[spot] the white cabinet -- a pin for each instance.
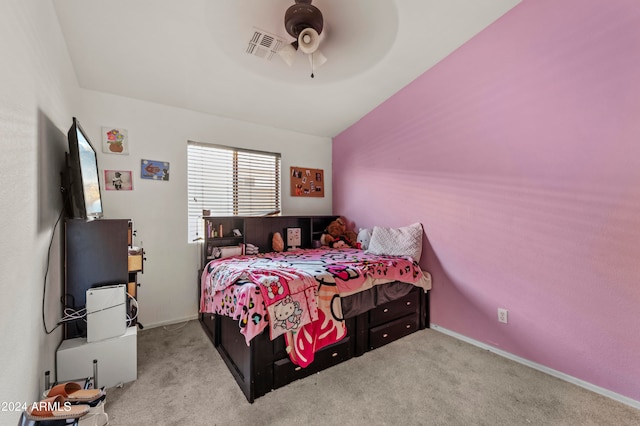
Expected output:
(117, 359)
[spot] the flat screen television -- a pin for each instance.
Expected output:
(82, 183)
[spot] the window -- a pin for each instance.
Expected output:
(230, 182)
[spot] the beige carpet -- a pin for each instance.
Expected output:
(427, 378)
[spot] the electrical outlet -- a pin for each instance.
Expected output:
(503, 315)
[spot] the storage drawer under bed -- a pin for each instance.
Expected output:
(285, 371)
(409, 304)
(387, 333)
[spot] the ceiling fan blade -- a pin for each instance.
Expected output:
(287, 53)
(317, 59)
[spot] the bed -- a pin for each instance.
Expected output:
(278, 317)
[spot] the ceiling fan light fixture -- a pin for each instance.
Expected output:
(304, 22)
(308, 40)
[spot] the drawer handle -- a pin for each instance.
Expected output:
(385, 310)
(385, 335)
(408, 303)
(335, 354)
(298, 368)
(408, 326)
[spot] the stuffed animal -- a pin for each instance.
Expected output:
(337, 235)
(364, 236)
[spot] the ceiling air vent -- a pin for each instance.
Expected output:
(263, 44)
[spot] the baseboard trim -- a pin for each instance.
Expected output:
(550, 371)
(171, 322)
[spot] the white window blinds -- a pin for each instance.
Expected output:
(230, 182)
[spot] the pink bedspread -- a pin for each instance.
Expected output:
(297, 293)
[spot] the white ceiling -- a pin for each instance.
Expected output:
(192, 54)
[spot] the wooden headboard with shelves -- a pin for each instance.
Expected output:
(259, 230)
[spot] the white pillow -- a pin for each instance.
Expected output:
(405, 241)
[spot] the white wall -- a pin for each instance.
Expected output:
(37, 93)
(159, 209)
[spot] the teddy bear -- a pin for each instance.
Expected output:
(364, 237)
(336, 235)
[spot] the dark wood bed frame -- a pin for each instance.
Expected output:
(264, 365)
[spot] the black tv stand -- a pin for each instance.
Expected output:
(95, 255)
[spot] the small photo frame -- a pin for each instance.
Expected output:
(294, 238)
(118, 180)
(115, 141)
(154, 170)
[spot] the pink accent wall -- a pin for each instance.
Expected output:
(520, 155)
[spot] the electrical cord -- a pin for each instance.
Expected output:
(73, 314)
(131, 319)
(46, 274)
(180, 327)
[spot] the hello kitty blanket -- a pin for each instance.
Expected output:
(298, 293)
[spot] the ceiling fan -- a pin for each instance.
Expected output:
(304, 22)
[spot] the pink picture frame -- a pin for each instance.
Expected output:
(118, 180)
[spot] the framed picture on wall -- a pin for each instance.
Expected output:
(118, 180)
(115, 141)
(154, 170)
(306, 182)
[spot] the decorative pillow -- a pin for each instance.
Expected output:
(405, 241)
(364, 236)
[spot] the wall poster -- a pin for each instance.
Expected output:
(118, 180)
(115, 141)
(156, 170)
(306, 182)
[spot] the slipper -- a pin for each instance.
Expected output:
(55, 408)
(73, 392)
